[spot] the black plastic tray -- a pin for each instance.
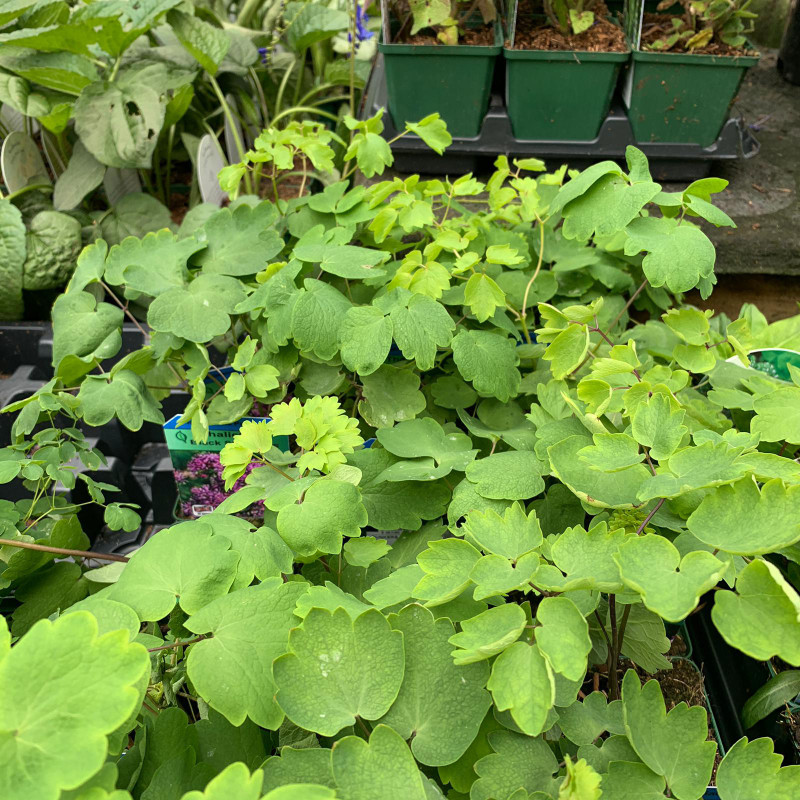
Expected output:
(668, 161)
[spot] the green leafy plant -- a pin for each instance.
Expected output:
(705, 23)
(497, 493)
(448, 20)
(570, 16)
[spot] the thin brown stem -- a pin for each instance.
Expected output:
(63, 551)
(650, 516)
(613, 656)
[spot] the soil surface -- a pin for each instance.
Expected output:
(535, 33)
(659, 26)
(478, 37)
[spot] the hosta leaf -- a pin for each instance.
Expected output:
(330, 510)
(489, 361)
(337, 669)
(751, 769)
(206, 43)
(563, 637)
(510, 535)
(513, 475)
(240, 241)
(440, 706)
(672, 744)
(391, 395)
(199, 312)
(447, 564)
(236, 781)
(382, 767)
(669, 585)
(395, 504)
(604, 489)
(365, 339)
(118, 124)
(420, 328)
(517, 761)
(53, 734)
(488, 634)
(742, 520)
(778, 415)
(679, 256)
(232, 671)
(185, 565)
(762, 618)
(658, 426)
(522, 683)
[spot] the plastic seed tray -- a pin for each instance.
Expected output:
(668, 161)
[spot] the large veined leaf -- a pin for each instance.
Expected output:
(670, 585)
(124, 395)
(777, 416)
(674, 745)
(752, 769)
(776, 692)
(317, 317)
(511, 535)
(742, 520)
(313, 22)
(338, 669)
(391, 395)
(185, 564)
(12, 257)
(658, 426)
(762, 618)
(83, 174)
(447, 565)
(119, 125)
(302, 765)
(365, 339)
(232, 671)
(345, 261)
(382, 767)
(53, 732)
(440, 706)
(84, 328)
(584, 721)
(206, 43)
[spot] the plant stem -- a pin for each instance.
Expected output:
(650, 516)
(530, 282)
(64, 551)
(613, 655)
(234, 131)
(176, 644)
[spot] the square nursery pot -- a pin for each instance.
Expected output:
(559, 95)
(454, 80)
(682, 97)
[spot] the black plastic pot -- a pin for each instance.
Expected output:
(731, 679)
(789, 55)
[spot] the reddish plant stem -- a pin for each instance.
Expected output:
(64, 551)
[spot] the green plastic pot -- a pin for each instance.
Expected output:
(681, 97)
(453, 80)
(559, 95)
